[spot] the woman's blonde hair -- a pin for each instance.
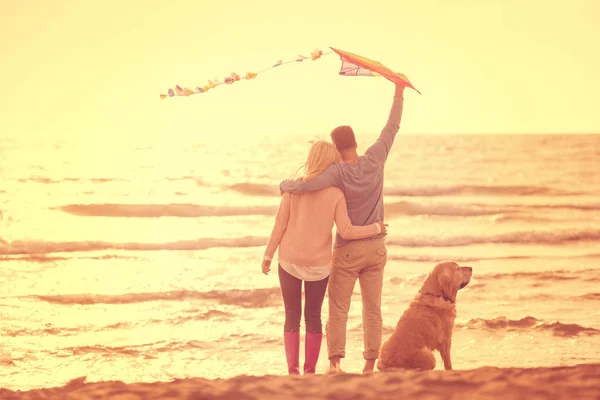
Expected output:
(321, 155)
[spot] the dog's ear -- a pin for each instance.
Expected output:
(446, 283)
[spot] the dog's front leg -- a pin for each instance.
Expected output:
(445, 353)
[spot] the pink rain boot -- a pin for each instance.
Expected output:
(312, 348)
(291, 341)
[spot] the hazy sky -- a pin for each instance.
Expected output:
(76, 68)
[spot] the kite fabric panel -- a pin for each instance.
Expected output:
(349, 69)
(352, 65)
(355, 65)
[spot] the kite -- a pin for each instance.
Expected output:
(352, 65)
(355, 65)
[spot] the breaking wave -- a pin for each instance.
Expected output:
(529, 238)
(42, 179)
(41, 247)
(195, 210)
(589, 274)
(150, 350)
(43, 258)
(162, 210)
(460, 259)
(412, 280)
(257, 298)
(441, 258)
(556, 237)
(580, 207)
(503, 323)
(255, 189)
(391, 209)
(146, 350)
(529, 323)
(214, 315)
(589, 296)
(477, 190)
(410, 208)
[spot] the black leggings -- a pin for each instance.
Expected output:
(314, 292)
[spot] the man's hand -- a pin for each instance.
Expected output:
(383, 227)
(266, 266)
(299, 179)
(281, 192)
(400, 90)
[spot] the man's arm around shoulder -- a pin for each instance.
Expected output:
(332, 176)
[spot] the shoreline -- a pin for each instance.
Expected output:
(569, 382)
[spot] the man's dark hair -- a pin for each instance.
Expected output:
(343, 137)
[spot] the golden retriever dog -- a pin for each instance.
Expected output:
(427, 323)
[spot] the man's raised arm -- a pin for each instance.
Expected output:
(380, 149)
(330, 177)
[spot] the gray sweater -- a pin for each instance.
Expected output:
(362, 182)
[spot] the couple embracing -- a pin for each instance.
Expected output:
(342, 187)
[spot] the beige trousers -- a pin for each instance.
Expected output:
(363, 260)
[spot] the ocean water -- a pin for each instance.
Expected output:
(140, 261)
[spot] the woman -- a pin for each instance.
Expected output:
(303, 233)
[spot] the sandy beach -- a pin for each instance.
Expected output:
(577, 382)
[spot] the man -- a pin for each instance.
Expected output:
(361, 180)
